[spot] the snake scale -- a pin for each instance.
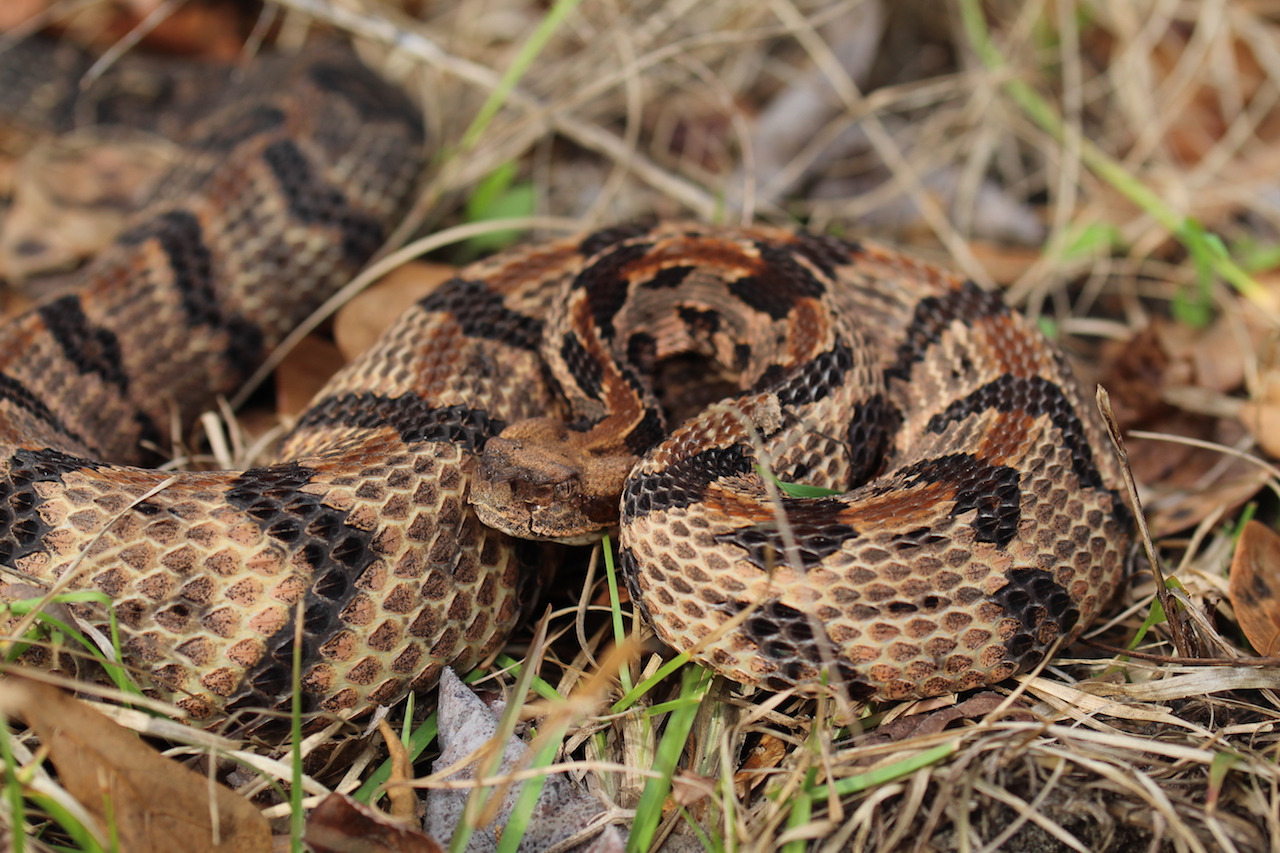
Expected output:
(976, 520)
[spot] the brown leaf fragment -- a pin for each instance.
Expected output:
(1255, 587)
(341, 825)
(1262, 418)
(1004, 262)
(363, 319)
(403, 802)
(933, 722)
(1261, 415)
(304, 371)
(768, 754)
(688, 788)
(1175, 381)
(156, 804)
(17, 12)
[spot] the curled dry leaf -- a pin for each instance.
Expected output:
(767, 755)
(1173, 380)
(362, 320)
(304, 371)
(1261, 415)
(155, 805)
(1255, 587)
(1262, 418)
(16, 12)
(341, 825)
(403, 801)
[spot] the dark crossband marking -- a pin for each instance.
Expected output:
(783, 633)
(810, 382)
(785, 636)
(816, 524)
(642, 351)
(934, 315)
(22, 528)
(407, 415)
(316, 203)
(598, 241)
(1033, 597)
(629, 568)
(993, 490)
(14, 392)
(369, 95)
(647, 433)
(825, 252)
(669, 277)
(607, 285)
(245, 124)
(871, 429)
(91, 349)
(480, 313)
(318, 537)
(779, 283)
(582, 366)
(1035, 396)
(684, 481)
(181, 238)
(918, 537)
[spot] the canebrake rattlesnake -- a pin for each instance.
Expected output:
(978, 521)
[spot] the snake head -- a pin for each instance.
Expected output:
(541, 480)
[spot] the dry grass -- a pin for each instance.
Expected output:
(894, 123)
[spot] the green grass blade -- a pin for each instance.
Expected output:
(1187, 230)
(889, 773)
(649, 810)
(528, 52)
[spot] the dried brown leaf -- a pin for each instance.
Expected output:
(1261, 415)
(1004, 263)
(304, 372)
(1262, 418)
(1255, 587)
(768, 754)
(15, 12)
(363, 319)
(689, 788)
(403, 802)
(156, 805)
(341, 825)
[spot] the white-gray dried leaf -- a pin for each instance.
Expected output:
(562, 811)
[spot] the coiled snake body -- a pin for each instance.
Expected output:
(977, 521)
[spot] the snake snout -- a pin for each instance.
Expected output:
(527, 489)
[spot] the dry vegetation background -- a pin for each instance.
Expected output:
(1112, 166)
